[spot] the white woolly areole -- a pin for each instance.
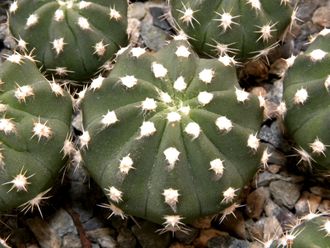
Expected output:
(7, 126)
(206, 75)
(317, 55)
(300, 97)
(83, 23)
(184, 110)
(324, 32)
(326, 227)
(204, 97)
(158, 70)
(114, 14)
(171, 197)
(84, 139)
(165, 97)
(182, 51)
(58, 45)
(179, 84)
(59, 15)
(15, 58)
(126, 164)
(147, 129)
(100, 48)
(187, 15)
(56, 89)
(173, 117)
(3, 107)
(137, 51)
(226, 20)
(41, 130)
(193, 129)
(327, 83)
(253, 142)
(217, 167)
(290, 61)
(84, 4)
(224, 124)
(109, 118)
(32, 20)
(149, 104)
(13, 7)
(171, 156)
(97, 82)
(281, 109)
(172, 223)
(229, 195)
(129, 81)
(22, 92)
(114, 194)
(226, 60)
(318, 147)
(241, 95)
(255, 4)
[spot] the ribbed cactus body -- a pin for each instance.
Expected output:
(243, 29)
(34, 123)
(306, 93)
(70, 38)
(168, 136)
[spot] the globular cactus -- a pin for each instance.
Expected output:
(313, 230)
(307, 98)
(34, 129)
(168, 136)
(240, 29)
(70, 38)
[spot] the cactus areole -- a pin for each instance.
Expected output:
(168, 136)
(70, 38)
(306, 93)
(35, 117)
(241, 29)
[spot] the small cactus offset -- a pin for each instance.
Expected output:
(170, 137)
(70, 38)
(307, 97)
(238, 29)
(34, 126)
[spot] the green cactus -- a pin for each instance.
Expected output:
(240, 29)
(167, 135)
(34, 126)
(306, 94)
(313, 230)
(70, 38)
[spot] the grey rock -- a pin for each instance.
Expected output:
(272, 228)
(62, 223)
(126, 239)
(307, 203)
(71, 241)
(136, 10)
(255, 202)
(227, 242)
(272, 134)
(265, 178)
(102, 236)
(148, 237)
(285, 193)
(321, 191)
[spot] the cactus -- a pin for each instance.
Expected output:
(240, 29)
(168, 136)
(306, 94)
(313, 230)
(70, 38)
(34, 126)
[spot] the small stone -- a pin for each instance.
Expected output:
(205, 235)
(285, 193)
(272, 228)
(136, 10)
(321, 16)
(203, 223)
(274, 168)
(255, 202)
(102, 237)
(255, 230)
(307, 203)
(324, 207)
(178, 245)
(265, 178)
(283, 215)
(62, 223)
(187, 237)
(320, 191)
(71, 241)
(234, 223)
(227, 242)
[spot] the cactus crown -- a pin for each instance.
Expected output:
(70, 38)
(240, 29)
(34, 123)
(165, 135)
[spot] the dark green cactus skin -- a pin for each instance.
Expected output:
(24, 150)
(310, 120)
(78, 55)
(241, 30)
(200, 193)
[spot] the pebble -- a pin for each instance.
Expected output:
(307, 203)
(255, 202)
(126, 238)
(62, 223)
(205, 235)
(136, 10)
(321, 16)
(227, 242)
(71, 241)
(284, 193)
(103, 237)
